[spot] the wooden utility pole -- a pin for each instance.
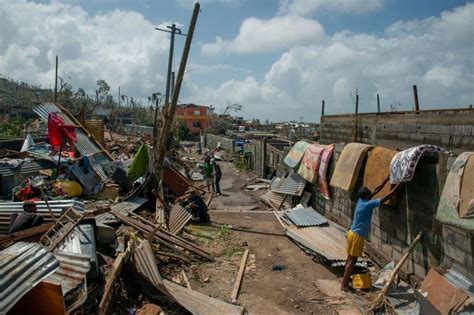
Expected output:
(356, 118)
(415, 96)
(169, 113)
(56, 82)
(172, 82)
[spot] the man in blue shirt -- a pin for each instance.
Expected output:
(361, 225)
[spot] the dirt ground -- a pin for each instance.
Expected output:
(292, 290)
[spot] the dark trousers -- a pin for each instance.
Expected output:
(218, 187)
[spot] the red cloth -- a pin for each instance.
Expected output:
(58, 131)
(54, 121)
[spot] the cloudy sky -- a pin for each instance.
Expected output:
(278, 59)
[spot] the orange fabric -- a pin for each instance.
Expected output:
(377, 169)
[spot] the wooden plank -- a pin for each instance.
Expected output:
(117, 267)
(185, 278)
(198, 303)
(238, 279)
(6, 240)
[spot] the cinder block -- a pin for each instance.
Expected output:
(461, 130)
(409, 128)
(416, 137)
(384, 236)
(432, 139)
(441, 129)
(459, 255)
(453, 236)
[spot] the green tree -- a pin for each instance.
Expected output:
(183, 131)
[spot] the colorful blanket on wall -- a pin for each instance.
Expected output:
(323, 169)
(377, 169)
(296, 153)
(448, 209)
(309, 165)
(403, 165)
(348, 166)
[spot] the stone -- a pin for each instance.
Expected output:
(149, 309)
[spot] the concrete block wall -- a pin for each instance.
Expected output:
(400, 130)
(212, 140)
(458, 250)
(394, 227)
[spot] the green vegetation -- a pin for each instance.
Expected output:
(183, 131)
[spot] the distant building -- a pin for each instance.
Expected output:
(196, 117)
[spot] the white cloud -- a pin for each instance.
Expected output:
(308, 7)
(257, 36)
(120, 47)
(436, 54)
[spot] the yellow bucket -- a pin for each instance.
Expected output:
(361, 281)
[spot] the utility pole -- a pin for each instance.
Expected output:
(322, 107)
(378, 103)
(172, 82)
(415, 96)
(119, 98)
(169, 112)
(173, 32)
(56, 82)
(356, 118)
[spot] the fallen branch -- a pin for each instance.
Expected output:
(381, 300)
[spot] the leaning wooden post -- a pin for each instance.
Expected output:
(168, 115)
(380, 299)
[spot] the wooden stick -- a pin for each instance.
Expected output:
(381, 296)
(185, 278)
(238, 279)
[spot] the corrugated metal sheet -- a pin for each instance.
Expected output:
(22, 266)
(72, 270)
(292, 185)
(57, 207)
(179, 216)
(305, 217)
(275, 183)
(145, 263)
(84, 144)
(28, 166)
(124, 208)
(90, 181)
(326, 241)
(274, 200)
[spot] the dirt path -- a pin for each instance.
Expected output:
(263, 290)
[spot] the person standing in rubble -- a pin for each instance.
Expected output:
(207, 172)
(217, 175)
(360, 226)
(26, 219)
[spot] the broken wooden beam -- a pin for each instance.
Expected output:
(163, 236)
(238, 279)
(109, 282)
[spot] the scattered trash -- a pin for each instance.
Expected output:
(278, 267)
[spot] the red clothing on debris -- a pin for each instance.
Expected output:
(58, 131)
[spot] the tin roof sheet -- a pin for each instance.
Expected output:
(26, 167)
(22, 266)
(305, 217)
(72, 270)
(293, 185)
(124, 208)
(327, 241)
(57, 207)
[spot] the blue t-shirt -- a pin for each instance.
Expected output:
(363, 215)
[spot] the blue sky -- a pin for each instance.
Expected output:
(278, 59)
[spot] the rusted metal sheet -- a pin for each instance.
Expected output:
(175, 181)
(326, 241)
(179, 216)
(72, 270)
(292, 185)
(304, 217)
(22, 266)
(446, 298)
